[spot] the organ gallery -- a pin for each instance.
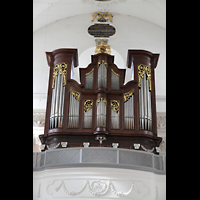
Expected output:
(101, 111)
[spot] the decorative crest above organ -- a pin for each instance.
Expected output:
(102, 106)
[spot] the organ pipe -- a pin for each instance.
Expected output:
(73, 117)
(114, 104)
(88, 103)
(58, 94)
(114, 80)
(102, 74)
(101, 112)
(129, 110)
(145, 114)
(89, 79)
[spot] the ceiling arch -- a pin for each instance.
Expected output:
(48, 11)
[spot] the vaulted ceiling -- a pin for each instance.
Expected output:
(48, 11)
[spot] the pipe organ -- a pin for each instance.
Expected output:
(101, 109)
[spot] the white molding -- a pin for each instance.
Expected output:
(98, 183)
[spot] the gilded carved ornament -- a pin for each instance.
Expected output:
(127, 95)
(75, 93)
(102, 46)
(114, 72)
(114, 104)
(88, 103)
(89, 72)
(141, 69)
(63, 70)
(100, 62)
(99, 99)
(102, 16)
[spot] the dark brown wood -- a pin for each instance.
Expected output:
(76, 136)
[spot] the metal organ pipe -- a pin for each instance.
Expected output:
(101, 113)
(145, 117)
(102, 75)
(142, 105)
(149, 108)
(58, 95)
(73, 117)
(129, 111)
(89, 79)
(145, 101)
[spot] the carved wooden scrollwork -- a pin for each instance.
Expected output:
(63, 70)
(141, 69)
(88, 103)
(75, 93)
(127, 95)
(115, 105)
(99, 99)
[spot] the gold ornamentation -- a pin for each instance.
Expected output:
(141, 69)
(102, 61)
(115, 105)
(75, 93)
(99, 99)
(63, 70)
(88, 103)
(128, 95)
(114, 72)
(102, 46)
(90, 72)
(55, 73)
(102, 16)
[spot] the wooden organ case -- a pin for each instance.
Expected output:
(102, 110)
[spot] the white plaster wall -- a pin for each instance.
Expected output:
(98, 183)
(131, 33)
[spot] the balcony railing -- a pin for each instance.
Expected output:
(99, 157)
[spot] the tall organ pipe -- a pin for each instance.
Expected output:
(145, 101)
(145, 117)
(52, 124)
(129, 113)
(73, 117)
(60, 101)
(142, 105)
(57, 99)
(57, 102)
